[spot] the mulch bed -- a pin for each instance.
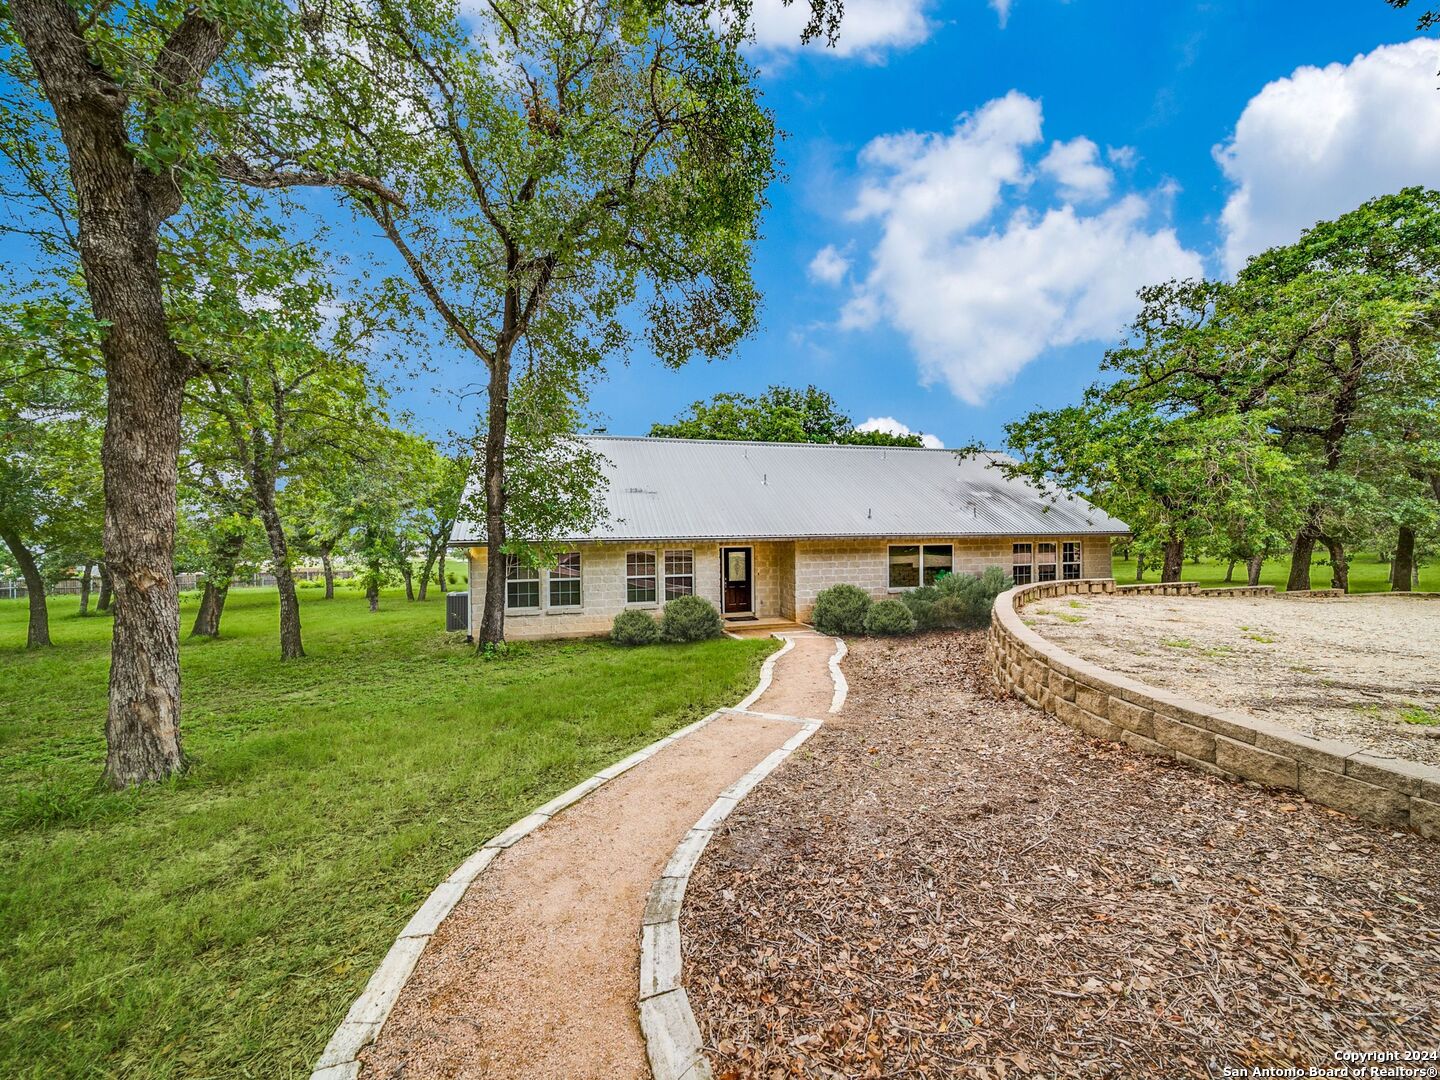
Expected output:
(945, 882)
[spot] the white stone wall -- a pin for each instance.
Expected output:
(788, 576)
(602, 586)
(865, 563)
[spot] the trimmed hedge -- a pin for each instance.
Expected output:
(841, 609)
(690, 618)
(889, 617)
(634, 628)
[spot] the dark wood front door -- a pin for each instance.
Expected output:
(735, 572)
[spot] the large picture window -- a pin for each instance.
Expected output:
(936, 560)
(522, 585)
(1022, 563)
(679, 574)
(1070, 560)
(565, 581)
(904, 566)
(1045, 561)
(911, 564)
(640, 577)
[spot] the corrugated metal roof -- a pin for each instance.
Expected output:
(692, 489)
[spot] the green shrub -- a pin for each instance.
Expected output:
(690, 618)
(921, 604)
(889, 617)
(634, 628)
(956, 601)
(841, 609)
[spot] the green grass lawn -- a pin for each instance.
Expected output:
(1367, 573)
(221, 924)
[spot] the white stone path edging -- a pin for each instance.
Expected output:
(672, 1037)
(767, 674)
(368, 1013)
(842, 688)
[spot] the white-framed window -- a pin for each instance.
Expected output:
(522, 585)
(565, 589)
(1022, 563)
(911, 564)
(679, 574)
(1045, 561)
(640, 577)
(1070, 560)
(936, 560)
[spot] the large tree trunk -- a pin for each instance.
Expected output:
(329, 566)
(425, 573)
(37, 634)
(1140, 567)
(212, 605)
(1230, 570)
(440, 571)
(407, 574)
(1339, 564)
(85, 589)
(120, 207)
(1402, 570)
(1300, 557)
(372, 589)
(1253, 566)
(107, 589)
(290, 644)
(217, 588)
(1174, 565)
(492, 624)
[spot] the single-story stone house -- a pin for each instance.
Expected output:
(759, 529)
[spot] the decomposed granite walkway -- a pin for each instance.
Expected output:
(533, 972)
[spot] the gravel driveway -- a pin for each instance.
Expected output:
(944, 883)
(1362, 669)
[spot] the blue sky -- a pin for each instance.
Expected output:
(975, 189)
(1162, 84)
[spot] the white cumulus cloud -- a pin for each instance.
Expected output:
(1075, 166)
(868, 28)
(1321, 141)
(980, 281)
(891, 426)
(829, 265)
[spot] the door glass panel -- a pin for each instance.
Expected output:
(735, 566)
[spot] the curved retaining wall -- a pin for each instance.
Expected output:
(1222, 742)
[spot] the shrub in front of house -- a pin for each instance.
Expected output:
(633, 627)
(841, 609)
(887, 617)
(690, 618)
(957, 601)
(921, 604)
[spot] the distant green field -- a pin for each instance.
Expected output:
(221, 924)
(1367, 573)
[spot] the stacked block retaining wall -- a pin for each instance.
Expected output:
(1222, 742)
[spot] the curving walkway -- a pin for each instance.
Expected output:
(533, 972)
